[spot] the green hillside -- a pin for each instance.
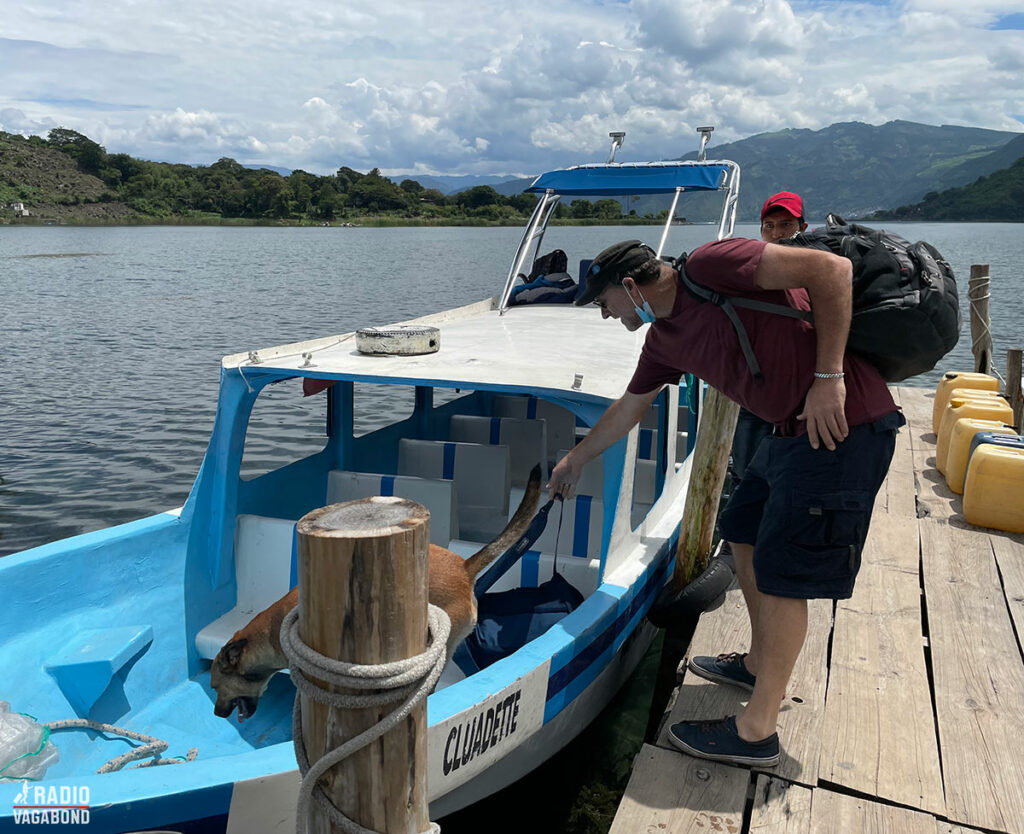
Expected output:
(855, 169)
(70, 178)
(997, 197)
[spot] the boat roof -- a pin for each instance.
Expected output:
(630, 178)
(533, 348)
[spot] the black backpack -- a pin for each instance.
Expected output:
(906, 312)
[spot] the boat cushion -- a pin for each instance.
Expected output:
(560, 423)
(480, 473)
(526, 440)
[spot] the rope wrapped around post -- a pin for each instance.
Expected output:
(409, 681)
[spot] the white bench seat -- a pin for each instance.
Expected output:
(479, 472)
(560, 423)
(264, 569)
(526, 440)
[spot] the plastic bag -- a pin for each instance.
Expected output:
(26, 750)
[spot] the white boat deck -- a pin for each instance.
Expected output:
(535, 348)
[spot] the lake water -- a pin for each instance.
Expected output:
(109, 369)
(112, 337)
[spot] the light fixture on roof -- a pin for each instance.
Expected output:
(705, 136)
(617, 137)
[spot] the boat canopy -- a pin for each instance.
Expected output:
(633, 178)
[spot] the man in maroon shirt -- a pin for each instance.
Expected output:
(798, 521)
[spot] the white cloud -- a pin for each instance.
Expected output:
(465, 87)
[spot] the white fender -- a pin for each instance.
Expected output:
(399, 340)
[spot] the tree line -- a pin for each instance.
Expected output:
(231, 190)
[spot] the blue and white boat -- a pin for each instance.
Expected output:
(120, 625)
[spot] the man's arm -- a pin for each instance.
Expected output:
(828, 280)
(617, 419)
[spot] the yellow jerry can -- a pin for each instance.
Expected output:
(960, 438)
(984, 408)
(994, 489)
(958, 379)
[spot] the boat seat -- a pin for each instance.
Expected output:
(89, 662)
(265, 570)
(582, 523)
(560, 423)
(480, 474)
(437, 495)
(526, 440)
(647, 445)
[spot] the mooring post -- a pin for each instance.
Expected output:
(1013, 386)
(981, 335)
(362, 571)
(707, 475)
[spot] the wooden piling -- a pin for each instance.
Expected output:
(707, 475)
(1013, 387)
(362, 570)
(981, 335)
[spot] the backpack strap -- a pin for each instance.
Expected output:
(728, 305)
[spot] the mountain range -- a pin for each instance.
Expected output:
(850, 168)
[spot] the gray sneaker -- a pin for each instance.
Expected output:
(726, 668)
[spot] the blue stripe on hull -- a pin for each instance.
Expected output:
(565, 684)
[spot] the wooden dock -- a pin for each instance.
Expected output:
(905, 712)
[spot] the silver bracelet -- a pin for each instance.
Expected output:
(839, 375)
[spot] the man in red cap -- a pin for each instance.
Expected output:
(782, 216)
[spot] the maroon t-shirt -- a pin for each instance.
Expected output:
(698, 338)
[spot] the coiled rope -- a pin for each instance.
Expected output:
(151, 747)
(408, 681)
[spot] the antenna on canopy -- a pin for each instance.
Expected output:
(705, 136)
(617, 137)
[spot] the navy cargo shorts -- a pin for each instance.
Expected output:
(807, 511)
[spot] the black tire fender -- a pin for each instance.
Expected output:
(705, 593)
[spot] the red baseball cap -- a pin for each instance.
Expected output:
(784, 200)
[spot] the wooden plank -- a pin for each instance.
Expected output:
(979, 679)
(878, 734)
(897, 494)
(669, 792)
(832, 812)
(800, 719)
(1009, 550)
(892, 542)
(780, 807)
(934, 498)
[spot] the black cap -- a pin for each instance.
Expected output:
(611, 266)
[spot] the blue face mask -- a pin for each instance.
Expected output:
(645, 313)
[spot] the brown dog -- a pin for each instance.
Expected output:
(243, 668)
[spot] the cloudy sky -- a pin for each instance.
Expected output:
(476, 86)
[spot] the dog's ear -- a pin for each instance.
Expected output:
(233, 651)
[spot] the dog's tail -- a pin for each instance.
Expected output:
(479, 561)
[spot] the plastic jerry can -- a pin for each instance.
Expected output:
(994, 490)
(987, 408)
(961, 435)
(1005, 437)
(958, 379)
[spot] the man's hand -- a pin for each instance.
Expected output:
(564, 478)
(825, 413)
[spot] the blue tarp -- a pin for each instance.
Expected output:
(614, 180)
